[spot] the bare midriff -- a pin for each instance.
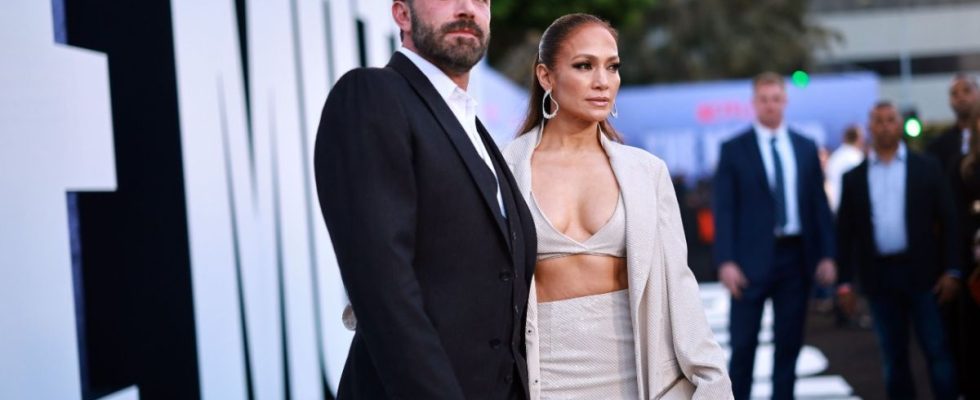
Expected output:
(579, 275)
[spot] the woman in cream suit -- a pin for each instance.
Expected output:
(614, 311)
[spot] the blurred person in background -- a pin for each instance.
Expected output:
(773, 235)
(963, 317)
(953, 143)
(890, 206)
(848, 155)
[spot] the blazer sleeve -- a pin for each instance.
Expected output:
(945, 209)
(367, 189)
(723, 204)
(846, 229)
(701, 359)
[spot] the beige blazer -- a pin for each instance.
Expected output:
(676, 354)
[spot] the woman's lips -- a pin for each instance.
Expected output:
(598, 101)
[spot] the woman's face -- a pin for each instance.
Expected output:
(585, 77)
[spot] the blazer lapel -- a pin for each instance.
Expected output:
(798, 154)
(477, 169)
(864, 191)
(637, 189)
(755, 158)
(506, 187)
(910, 179)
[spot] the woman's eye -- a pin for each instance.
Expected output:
(614, 67)
(582, 66)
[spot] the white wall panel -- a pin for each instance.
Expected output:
(55, 136)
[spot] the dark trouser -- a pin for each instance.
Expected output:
(789, 290)
(969, 348)
(962, 318)
(893, 311)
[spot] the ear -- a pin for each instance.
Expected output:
(402, 15)
(545, 77)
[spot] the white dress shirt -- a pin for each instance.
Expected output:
(965, 142)
(886, 186)
(788, 157)
(842, 160)
(463, 107)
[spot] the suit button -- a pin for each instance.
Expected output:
(506, 276)
(495, 344)
(513, 235)
(517, 310)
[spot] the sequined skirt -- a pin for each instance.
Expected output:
(587, 348)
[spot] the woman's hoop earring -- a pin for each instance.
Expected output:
(615, 111)
(544, 105)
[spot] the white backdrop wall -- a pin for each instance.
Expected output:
(266, 291)
(55, 136)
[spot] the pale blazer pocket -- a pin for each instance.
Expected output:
(680, 388)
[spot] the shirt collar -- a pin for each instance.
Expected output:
(443, 84)
(764, 134)
(899, 155)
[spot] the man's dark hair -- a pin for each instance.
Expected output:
(768, 78)
(883, 104)
(852, 134)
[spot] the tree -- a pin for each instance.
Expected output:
(672, 40)
(517, 26)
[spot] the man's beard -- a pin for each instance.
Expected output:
(455, 58)
(962, 113)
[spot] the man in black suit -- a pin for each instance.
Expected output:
(891, 206)
(952, 143)
(949, 149)
(435, 245)
(774, 235)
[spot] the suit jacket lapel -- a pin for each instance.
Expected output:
(863, 194)
(755, 158)
(794, 140)
(477, 169)
(502, 180)
(910, 178)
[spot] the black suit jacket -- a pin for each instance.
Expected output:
(929, 215)
(437, 277)
(947, 148)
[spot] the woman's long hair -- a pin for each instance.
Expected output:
(548, 49)
(967, 166)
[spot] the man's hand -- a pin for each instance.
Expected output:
(731, 276)
(973, 283)
(946, 288)
(826, 272)
(847, 300)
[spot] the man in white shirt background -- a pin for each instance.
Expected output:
(848, 155)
